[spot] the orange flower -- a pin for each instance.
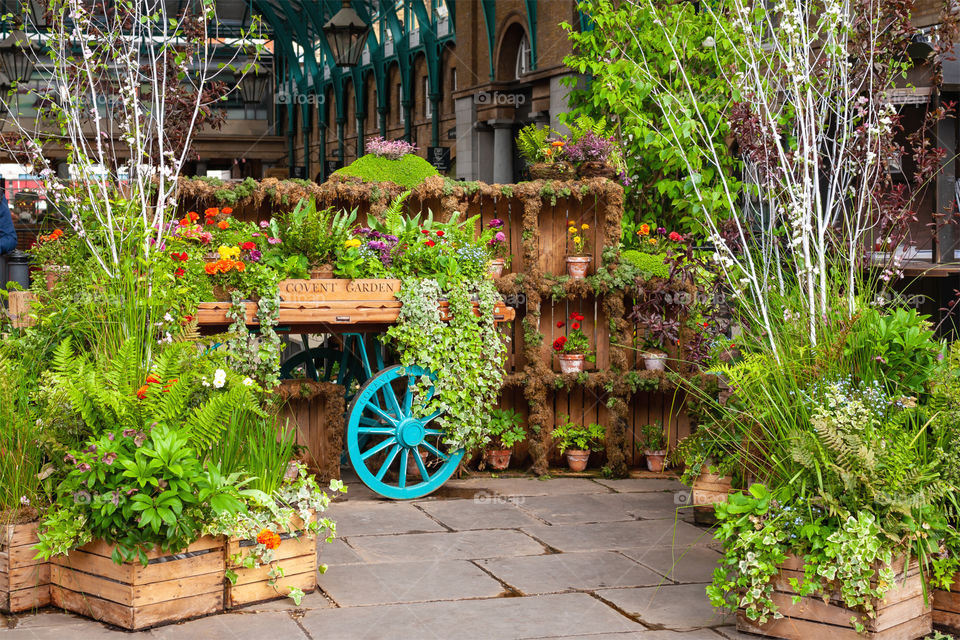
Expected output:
(211, 212)
(239, 266)
(211, 268)
(142, 392)
(547, 151)
(558, 143)
(193, 216)
(644, 230)
(223, 224)
(653, 241)
(269, 539)
(226, 211)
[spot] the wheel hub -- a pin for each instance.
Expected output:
(410, 433)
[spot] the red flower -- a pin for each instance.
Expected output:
(676, 237)
(151, 379)
(226, 211)
(223, 224)
(429, 243)
(576, 316)
(142, 392)
(179, 272)
(559, 342)
(188, 318)
(575, 326)
(193, 216)
(706, 324)
(559, 323)
(440, 233)
(247, 246)
(184, 222)
(424, 231)
(211, 212)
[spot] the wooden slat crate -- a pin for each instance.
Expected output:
(24, 582)
(946, 608)
(171, 588)
(902, 614)
(708, 490)
(296, 555)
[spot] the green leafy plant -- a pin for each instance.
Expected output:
(533, 144)
(408, 172)
(574, 436)
(652, 437)
(504, 426)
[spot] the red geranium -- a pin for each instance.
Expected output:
(676, 237)
(179, 272)
(575, 326)
(440, 233)
(429, 243)
(247, 246)
(559, 323)
(424, 231)
(559, 342)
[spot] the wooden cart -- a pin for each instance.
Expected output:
(392, 447)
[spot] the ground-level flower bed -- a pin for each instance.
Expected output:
(946, 608)
(170, 588)
(291, 567)
(24, 581)
(902, 614)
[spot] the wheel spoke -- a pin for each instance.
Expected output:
(386, 464)
(392, 402)
(402, 480)
(380, 431)
(378, 448)
(370, 422)
(432, 432)
(408, 398)
(432, 449)
(422, 467)
(383, 414)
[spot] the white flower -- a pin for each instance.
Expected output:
(219, 378)
(204, 382)
(247, 382)
(168, 317)
(25, 501)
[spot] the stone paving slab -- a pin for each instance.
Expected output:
(368, 518)
(485, 513)
(429, 547)
(495, 619)
(642, 485)
(315, 600)
(616, 535)
(336, 552)
(234, 626)
(568, 571)
(680, 607)
(693, 564)
(386, 583)
(700, 634)
(529, 486)
(610, 507)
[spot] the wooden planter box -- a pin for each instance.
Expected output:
(708, 490)
(946, 608)
(24, 582)
(901, 615)
(296, 555)
(171, 588)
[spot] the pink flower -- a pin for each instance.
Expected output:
(264, 224)
(500, 237)
(273, 240)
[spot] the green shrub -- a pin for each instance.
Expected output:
(649, 263)
(408, 172)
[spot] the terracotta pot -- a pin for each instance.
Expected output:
(655, 460)
(571, 362)
(495, 267)
(654, 361)
(322, 272)
(552, 171)
(211, 256)
(499, 459)
(596, 169)
(53, 272)
(577, 459)
(577, 266)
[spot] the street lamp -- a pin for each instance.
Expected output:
(17, 64)
(347, 34)
(253, 86)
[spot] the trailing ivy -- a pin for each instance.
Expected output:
(466, 354)
(257, 355)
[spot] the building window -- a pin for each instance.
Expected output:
(427, 105)
(524, 57)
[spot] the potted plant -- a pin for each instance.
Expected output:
(659, 331)
(593, 148)
(654, 445)
(316, 235)
(505, 433)
(49, 252)
(578, 256)
(577, 441)
(498, 248)
(544, 155)
(573, 349)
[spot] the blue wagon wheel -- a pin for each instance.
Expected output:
(393, 452)
(325, 364)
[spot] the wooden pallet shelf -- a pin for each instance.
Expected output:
(24, 581)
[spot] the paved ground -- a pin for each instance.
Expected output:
(502, 558)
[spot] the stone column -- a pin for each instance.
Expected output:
(502, 151)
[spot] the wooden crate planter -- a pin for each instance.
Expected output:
(296, 555)
(946, 608)
(170, 588)
(707, 490)
(902, 614)
(24, 582)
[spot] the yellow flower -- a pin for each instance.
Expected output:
(644, 230)
(653, 241)
(573, 229)
(226, 253)
(584, 226)
(352, 242)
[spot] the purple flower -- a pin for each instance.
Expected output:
(390, 238)
(109, 458)
(128, 432)
(661, 231)
(132, 491)
(390, 149)
(111, 436)
(69, 459)
(83, 466)
(500, 237)
(140, 438)
(255, 255)
(91, 449)
(264, 224)
(274, 240)
(496, 223)
(590, 146)
(377, 245)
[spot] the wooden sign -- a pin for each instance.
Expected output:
(338, 289)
